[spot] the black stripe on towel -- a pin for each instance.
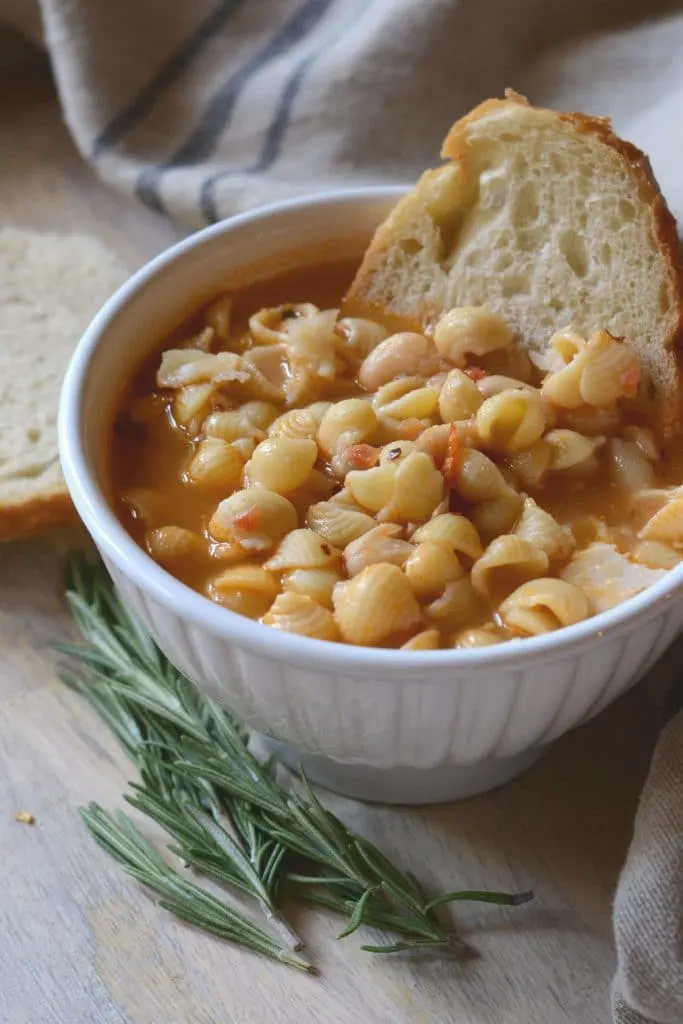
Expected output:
(170, 71)
(280, 122)
(201, 142)
(271, 145)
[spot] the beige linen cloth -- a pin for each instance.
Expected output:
(200, 108)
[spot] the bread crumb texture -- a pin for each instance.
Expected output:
(50, 287)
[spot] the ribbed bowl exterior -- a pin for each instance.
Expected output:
(432, 720)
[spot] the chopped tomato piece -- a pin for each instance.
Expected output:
(361, 456)
(449, 469)
(475, 372)
(247, 520)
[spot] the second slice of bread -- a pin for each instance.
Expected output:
(50, 286)
(550, 220)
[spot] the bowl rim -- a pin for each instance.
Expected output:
(117, 545)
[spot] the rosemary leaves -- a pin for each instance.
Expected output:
(226, 814)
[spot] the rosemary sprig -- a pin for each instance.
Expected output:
(120, 838)
(226, 813)
(151, 707)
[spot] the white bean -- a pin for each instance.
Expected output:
(401, 355)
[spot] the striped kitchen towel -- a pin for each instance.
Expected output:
(199, 109)
(648, 908)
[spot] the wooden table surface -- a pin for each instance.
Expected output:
(82, 943)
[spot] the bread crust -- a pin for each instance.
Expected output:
(640, 169)
(36, 514)
(455, 149)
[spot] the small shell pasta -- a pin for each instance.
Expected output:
(375, 604)
(484, 636)
(170, 544)
(407, 490)
(249, 421)
(338, 524)
(666, 525)
(417, 490)
(492, 518)
(281, 464)
(510, 421)
(570, 450)
(567, 344)
(256, 518)
(434, 441)
(303, 549)
(643, 505)
(216, 464)
(182, 366)
(611, 370)
(346, 423)
(270, 325)
(543, 605)
(495, 383)
(300, 423)
(358, 337)
(427, 640)
(395, 389)
(429, 567)
(603, 370)
(459, 397)
(655, 555)
(629, 467)
(247, 589)
(507, 562)
(258, 413)
(191, 404)
(477, 478)
(562, 388)
(416, 403)
(458, 604)
(470, 330)
(544, 533)
(315, 583)
(453, 531)
(381, 544)
(372, 488)
(301, 614)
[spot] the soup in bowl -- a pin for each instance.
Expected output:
(409, 559)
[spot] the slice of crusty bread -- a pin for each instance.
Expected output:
(50, 286)
(550, 220)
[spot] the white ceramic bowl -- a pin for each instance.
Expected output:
(375, 724)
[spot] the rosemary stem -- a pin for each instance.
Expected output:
(283, 928)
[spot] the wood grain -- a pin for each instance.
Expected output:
(81, 943)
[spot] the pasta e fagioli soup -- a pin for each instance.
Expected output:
(335, 479)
